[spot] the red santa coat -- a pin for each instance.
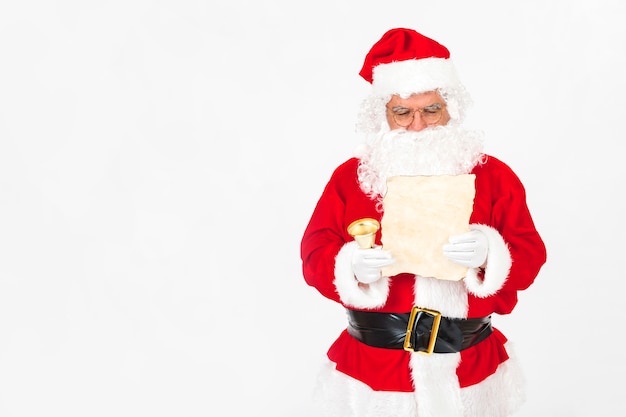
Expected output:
(516, 255)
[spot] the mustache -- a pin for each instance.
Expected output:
(443, 150)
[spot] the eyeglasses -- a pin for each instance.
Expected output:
(430, 114)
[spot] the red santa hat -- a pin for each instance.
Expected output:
(405, 62)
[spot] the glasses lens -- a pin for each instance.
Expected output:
(431, 115)
(403, 118)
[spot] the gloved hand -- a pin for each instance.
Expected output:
(366, 263)
(468, 249)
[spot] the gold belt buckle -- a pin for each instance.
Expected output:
(433, 331)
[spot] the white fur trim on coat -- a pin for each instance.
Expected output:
(497, 267)
(437, 389)
(352, 292)
(437, 393)
(447, 297)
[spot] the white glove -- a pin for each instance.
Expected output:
(468, 249)
(366, 263)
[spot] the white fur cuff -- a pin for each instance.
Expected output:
(497, 267)
(352, 292)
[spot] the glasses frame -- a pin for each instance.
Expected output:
(420, 110)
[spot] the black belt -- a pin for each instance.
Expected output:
(421, 330)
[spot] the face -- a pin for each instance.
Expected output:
(417, 112)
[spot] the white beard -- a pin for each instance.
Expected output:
(442, 150)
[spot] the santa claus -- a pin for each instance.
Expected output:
(417, 345)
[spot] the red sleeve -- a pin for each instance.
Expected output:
(501, 203)
(341, 202)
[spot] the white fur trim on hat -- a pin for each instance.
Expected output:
(352, 292)
(414, 76)
(497, 267)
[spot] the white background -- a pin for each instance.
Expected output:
(159, 161)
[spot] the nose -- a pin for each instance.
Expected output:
(417, 124)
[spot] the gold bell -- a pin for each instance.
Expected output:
(364, 232)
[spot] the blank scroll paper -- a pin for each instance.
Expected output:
(420, 214)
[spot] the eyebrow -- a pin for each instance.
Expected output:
(434, 106)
